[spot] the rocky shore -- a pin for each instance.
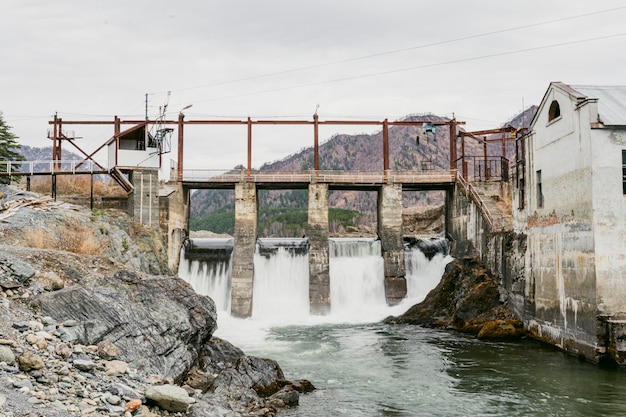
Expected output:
(93, 324)
(466, 299)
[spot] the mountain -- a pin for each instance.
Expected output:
(31, 153)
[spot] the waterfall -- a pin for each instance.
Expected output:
(281, 279)
(205, 264)
(356, 276)
(281, 276)
(425, 261)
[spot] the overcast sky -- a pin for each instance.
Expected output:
(482, 60)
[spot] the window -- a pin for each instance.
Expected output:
(624, 171)
(554, 111)
(539, 190)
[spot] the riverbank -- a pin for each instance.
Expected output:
(93, 323)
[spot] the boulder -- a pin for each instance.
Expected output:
(169, 397)
(30, 361)
(6, 355)
(501, 330)
(216, 355)
(466, 298)
(264, 376)
(159, 324)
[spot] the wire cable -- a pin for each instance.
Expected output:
(397, 51)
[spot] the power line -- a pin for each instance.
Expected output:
(397, 51)
(456, 61)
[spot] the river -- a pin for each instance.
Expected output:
(362, 367)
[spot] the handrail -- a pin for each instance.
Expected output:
(328, 176)
(470, 191)
(73, 166)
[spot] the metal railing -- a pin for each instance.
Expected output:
(17, 168)
(479, 168)
(331, 177)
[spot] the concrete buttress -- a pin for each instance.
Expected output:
(244, 247)
(390, 234)
(319, 278)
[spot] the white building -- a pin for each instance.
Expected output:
(571, 206)
(134, 148)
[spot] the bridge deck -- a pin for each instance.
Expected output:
(209, 178)
(335, 179)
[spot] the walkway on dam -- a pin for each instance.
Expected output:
(422, 180)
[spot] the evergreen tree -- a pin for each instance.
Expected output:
(8, 147)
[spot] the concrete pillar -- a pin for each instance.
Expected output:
(390, 234)
(143, 203)
(319, 277)
(243, 251)
(174, 221)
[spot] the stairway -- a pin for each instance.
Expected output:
(121, 179)
(499, 208)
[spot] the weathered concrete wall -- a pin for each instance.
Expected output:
(246, 207)
(561, 282)
(319, 278)
(609, 218)
(502, 251)
(143, 203)
(174, 221)
(391, 239)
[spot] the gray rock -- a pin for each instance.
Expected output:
(169, 397)
(114, 400)
(14, 273)
(7, 355)
(158, 323)
(123, 391)
(84, 364)
(205, 409)
(262, 375)
(21, 326)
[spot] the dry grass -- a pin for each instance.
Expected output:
(76, 185)
(68, 236)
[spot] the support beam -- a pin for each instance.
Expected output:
(243, 250)
(179, 161)
(249, 148)
(317, 232)
(390, 234)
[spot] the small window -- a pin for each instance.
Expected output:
(539, 190)
(624, 171)
(555, 111)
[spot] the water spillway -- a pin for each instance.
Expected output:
(356, 276)
(206, 265)
(281, 275)
(281, 279)
(426, 260)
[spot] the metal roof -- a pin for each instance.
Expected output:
(611, 102)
